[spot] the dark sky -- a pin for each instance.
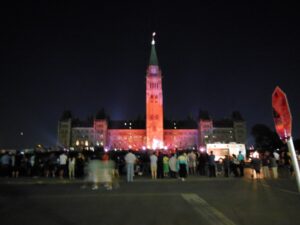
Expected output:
(219, 56)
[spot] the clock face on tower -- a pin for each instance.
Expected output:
(153, 70)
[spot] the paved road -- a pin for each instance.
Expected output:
(205, 201)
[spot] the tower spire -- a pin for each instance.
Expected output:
(153, 56)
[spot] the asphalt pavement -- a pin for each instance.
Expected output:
(198, 200)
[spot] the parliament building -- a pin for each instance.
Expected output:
(153, 131)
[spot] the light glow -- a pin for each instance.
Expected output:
(255, 154)
(156, 144)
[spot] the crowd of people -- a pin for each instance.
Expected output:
(154, 164)
(265, 165)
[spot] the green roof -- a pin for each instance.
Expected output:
(153, 56)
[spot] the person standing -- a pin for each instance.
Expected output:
(5, 164)
(192, 162)
(277, 157)
(166, 166)
(256, 166)
(80, 165)
(173, 166)
(234, 165)
(71, 167)
(241, 164)
(265, 165)
(153, 165)
(130, 159)
(274, 166)
(52, 164)
(160, 165)
(182, 160)
(63, 158)
(212, 165)
(226, 165)
(202, 162)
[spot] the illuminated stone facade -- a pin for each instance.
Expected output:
(153, 132)
(154, 104)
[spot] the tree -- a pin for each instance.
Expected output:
(297, 144)
(265, 138)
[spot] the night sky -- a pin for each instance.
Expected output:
(218, 56)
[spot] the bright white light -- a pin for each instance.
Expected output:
(154, 144)
(166, 148)
(157, 144)
(106, 149)
(153, 34)
(255, 154)
(161, 145)
(144, 148)
(86, 143)
(77, 143)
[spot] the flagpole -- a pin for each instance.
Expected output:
(294, 160)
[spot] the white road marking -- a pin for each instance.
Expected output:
(280, 189)
(209, 213)
(263, 183)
